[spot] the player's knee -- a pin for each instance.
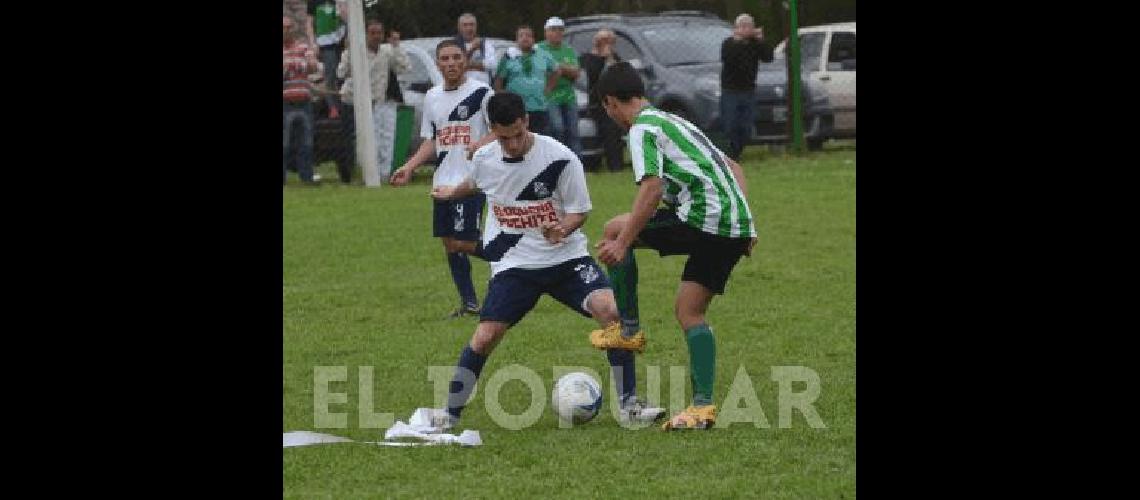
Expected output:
(689, 318)
(485, 339)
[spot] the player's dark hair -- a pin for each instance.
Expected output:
(621, 81)
(373, 21)
(505, 108)
(448, 43)
(524, 27)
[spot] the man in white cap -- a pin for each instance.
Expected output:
(563, 104)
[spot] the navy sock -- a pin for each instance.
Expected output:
(622, 369)
(461, 274)
(466, 373)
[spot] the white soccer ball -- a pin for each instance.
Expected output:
(576, 398)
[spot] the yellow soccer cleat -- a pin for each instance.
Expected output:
(694, 417)
(610, 337)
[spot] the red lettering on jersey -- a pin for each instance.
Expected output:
(454, 134)
(525, 217)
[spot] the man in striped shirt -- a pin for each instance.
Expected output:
(298, 62)
(705, 216)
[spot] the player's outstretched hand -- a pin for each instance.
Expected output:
(610, 252)
(442, 192)
(401, 177)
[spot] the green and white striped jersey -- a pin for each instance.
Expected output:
(699, 184)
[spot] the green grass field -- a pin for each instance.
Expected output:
(365, 284)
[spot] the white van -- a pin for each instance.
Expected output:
(827, 53)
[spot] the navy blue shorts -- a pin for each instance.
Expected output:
(514, 292)
(458, 219)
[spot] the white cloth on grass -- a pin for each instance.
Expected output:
(418, 428)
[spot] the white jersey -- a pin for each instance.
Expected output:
(454, 119)
(522, 194)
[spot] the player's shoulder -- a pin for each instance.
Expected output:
(474, 85)
(434, 91)
(643, 126)
(489, 152)
(652, 120)
(550, 146)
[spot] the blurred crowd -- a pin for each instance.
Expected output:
(318, 89)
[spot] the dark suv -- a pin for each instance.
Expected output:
(678, 53)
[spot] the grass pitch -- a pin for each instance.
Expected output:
(365, 285)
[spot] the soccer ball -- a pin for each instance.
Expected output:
(576, 398)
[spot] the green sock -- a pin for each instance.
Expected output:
(623, 277)
(702, 362)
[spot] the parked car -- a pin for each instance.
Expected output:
(678, 54)
(827, 53)
(771, 126)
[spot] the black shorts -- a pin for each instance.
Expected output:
(458, 219)
(514, 292)
(711, 257)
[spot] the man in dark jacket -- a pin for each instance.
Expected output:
(740, 54)
(598, 59)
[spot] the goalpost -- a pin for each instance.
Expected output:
(362, 96)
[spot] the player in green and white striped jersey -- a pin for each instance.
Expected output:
(705, 216)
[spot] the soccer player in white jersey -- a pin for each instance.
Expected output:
(538, 201)
(454, 123)
(706, 217)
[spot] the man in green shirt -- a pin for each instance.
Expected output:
(563, 102)
(531, 74)
(705, 216)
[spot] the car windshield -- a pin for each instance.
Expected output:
(687, 44)
(418, 71)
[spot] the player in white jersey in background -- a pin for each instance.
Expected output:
(454, 125)
(538, 201)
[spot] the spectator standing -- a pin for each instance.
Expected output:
(481, 60)
(299, 61)
(563, 104)
(740, 55)
(381, 58)
(529, 73)
(594, 62)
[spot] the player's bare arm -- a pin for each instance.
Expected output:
(404, 174)
(738, 173)
(649, 194)
(555, 232)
